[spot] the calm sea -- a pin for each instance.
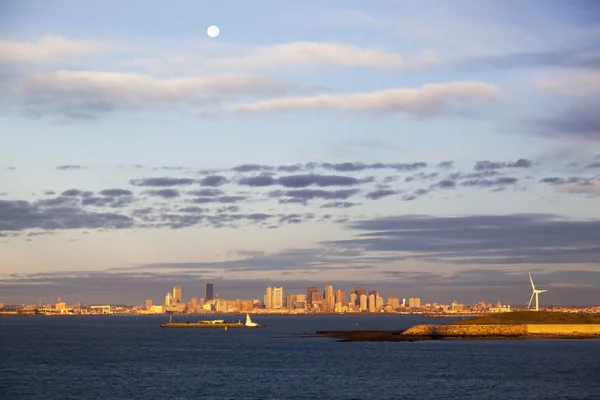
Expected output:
(131, 357)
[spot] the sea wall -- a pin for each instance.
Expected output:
(467, 330)
(504, 330)
(564, 329)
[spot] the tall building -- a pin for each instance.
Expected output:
(340, 297)
(329, 298)
(169, 299)
(269, 298)
(277, 297)
(194, 302)
(353, 298)
(300, 302)
(310, 295)
(148, 304)
(177, 294)
(394, 302)
(209, 293)
(378, 303)
(417, 302)
(371, 303)
(363, 302)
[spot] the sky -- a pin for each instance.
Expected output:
(421, 149)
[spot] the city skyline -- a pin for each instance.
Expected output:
(398, 146)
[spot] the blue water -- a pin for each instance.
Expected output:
(131, 357)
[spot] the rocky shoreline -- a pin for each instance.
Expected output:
(400, 336)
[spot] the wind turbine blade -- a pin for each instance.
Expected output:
(532, 285)
(529, 305)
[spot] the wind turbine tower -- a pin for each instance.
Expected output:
(535, 293)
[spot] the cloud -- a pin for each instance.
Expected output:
(52, 48)
(379, 194)
(489, 165)
(356, 166)
(319, 54)
(71, 192)
(90, 93)
(116, 192)
(165, 193)
(251, 168)
(213, 180)
(340, 204)
(258, 181)
(446, 164)
(445, 184)
(574, 83)
(309, 194)
(300, 181)
(502, 181)
(571, 58)
(221, 199)
(165, 182)
(69, 167)
(580, 120)
(58, 215)
(481, 239)
(426, 101)
(207, 192)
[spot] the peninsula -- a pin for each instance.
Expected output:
(514, 325)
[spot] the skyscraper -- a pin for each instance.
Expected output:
(148, 304)
(209, 293)
(329, 298)
(177, 294)
(353, 298)
(310, 295)
(269, 298)
(363, 302)
(371, 302)
(340, 297)
(278, 297)
(168, 299)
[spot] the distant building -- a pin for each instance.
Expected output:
(394, 302)
(148, 304)
(378, 303)
(177, 294)
(194, 302)
(411, 302)
(209, 293)
(269, 298)
(417, 302)
(311, 295)
(329, 298)
(168, 299)
(340, 297)
(1, 305)
(277, 297)
(353, 299)
(363, 302)
(371, 303)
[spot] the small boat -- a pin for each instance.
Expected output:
(250, 323)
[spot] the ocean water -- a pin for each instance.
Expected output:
(131, 357)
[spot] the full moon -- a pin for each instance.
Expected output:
(213, 31)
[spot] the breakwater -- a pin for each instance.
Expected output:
(516, 330)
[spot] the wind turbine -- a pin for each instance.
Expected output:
(535, 293)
